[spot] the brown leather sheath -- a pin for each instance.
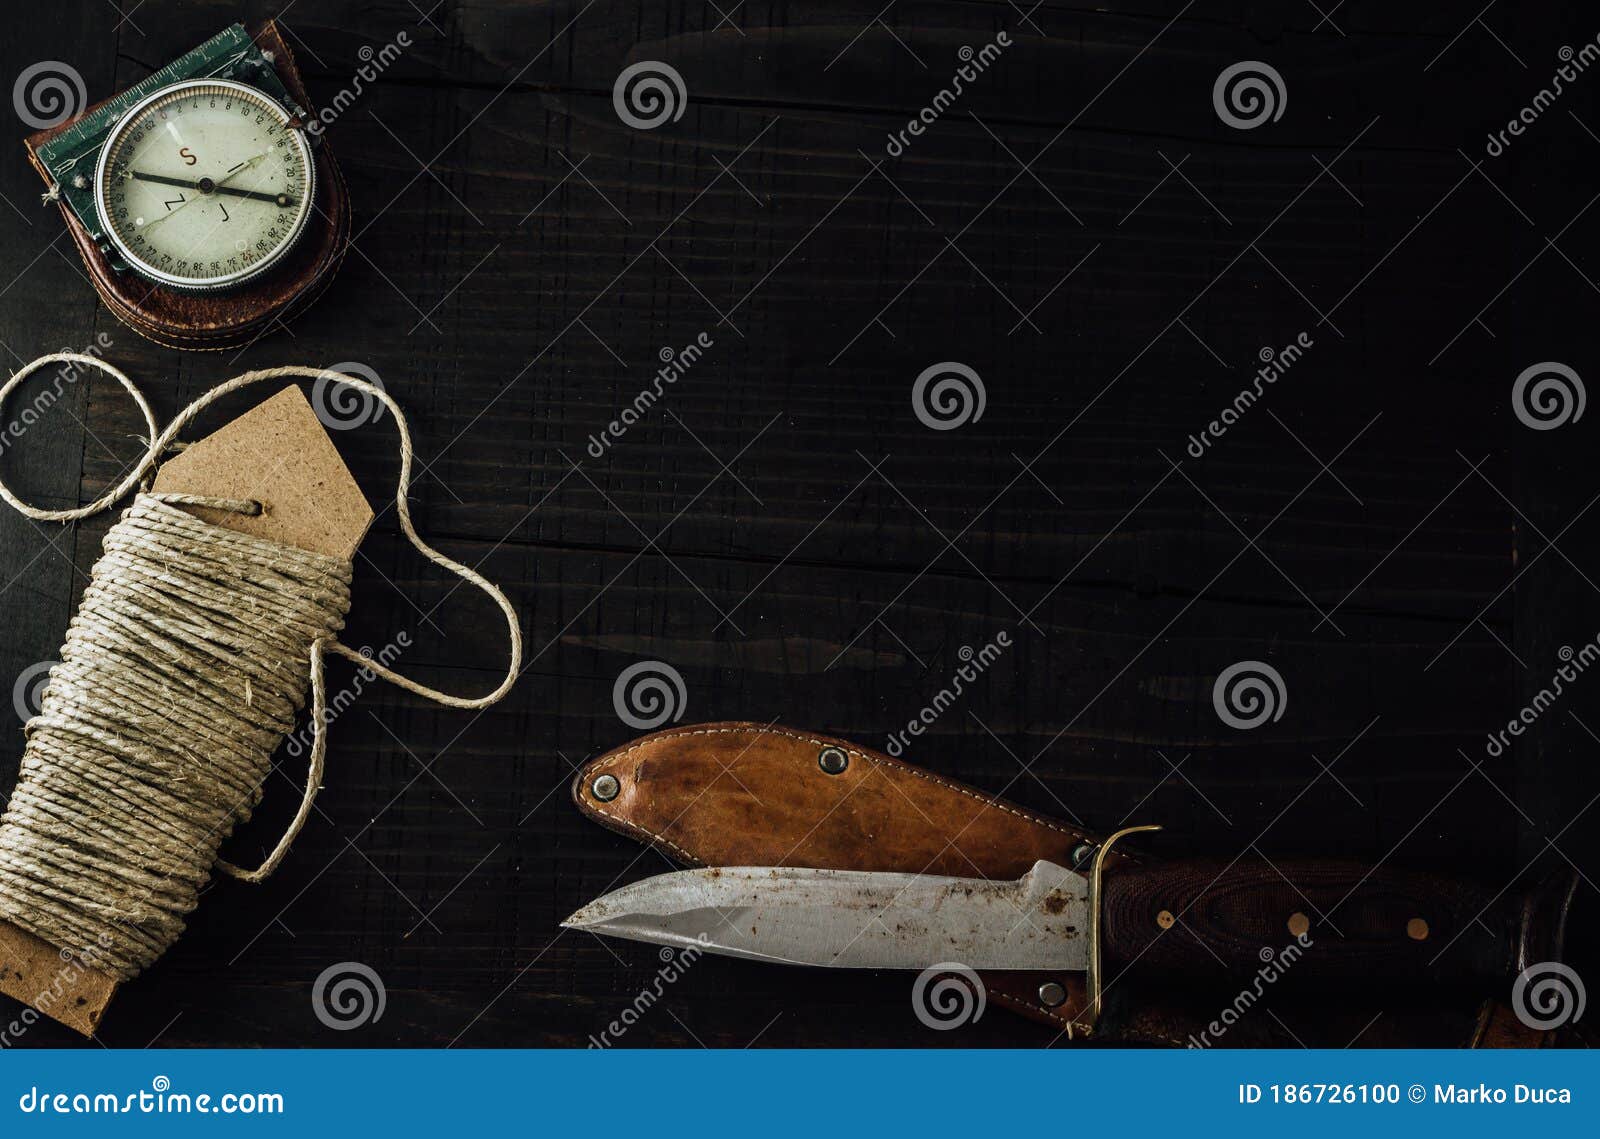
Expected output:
(746, 794)
(217, 321)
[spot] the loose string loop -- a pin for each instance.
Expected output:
(159, 442)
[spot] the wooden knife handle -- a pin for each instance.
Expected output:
(1322, 921)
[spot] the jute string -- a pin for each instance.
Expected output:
(183, 669)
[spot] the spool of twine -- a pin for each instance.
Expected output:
(183, 669)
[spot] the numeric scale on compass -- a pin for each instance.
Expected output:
(222, 96)
(171, 226)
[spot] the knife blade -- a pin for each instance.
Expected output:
(847, 919)
(1170, 922)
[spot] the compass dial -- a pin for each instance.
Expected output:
(204, 185)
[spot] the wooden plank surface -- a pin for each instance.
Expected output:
(786, 533)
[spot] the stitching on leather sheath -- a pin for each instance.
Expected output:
(654, 838)
(875, 760)
(1023, 1006)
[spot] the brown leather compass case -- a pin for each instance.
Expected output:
(745, 794)
(217, 321)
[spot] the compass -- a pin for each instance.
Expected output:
(204, 184)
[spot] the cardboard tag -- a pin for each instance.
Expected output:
(279, 454)
(35, 973)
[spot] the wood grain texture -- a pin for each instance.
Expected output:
(1319, 925)
(782, 529)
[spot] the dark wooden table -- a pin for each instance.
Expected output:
(1083, 231)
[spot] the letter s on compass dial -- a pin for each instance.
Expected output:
(204, 185)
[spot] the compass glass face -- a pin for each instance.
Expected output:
(204, 185)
